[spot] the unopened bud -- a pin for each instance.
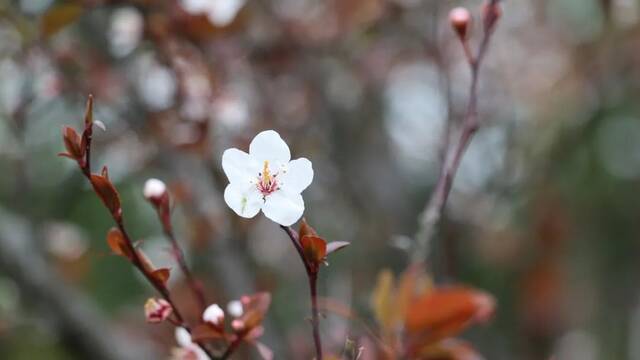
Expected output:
(154, 190)
(157, 310)
(235, 308)
(491, 12)
(460, 18)
(213, 314)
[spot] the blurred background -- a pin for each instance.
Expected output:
(543, 213)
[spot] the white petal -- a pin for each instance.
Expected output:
(284, 207)
(239, 166)
(200, 354)
(246, 201)
(298, 176)
(213, 314)
(183, 337)
(269, 146)
(235, 308)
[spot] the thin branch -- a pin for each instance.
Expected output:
(312, 277)
(194, 284)
(433, 211)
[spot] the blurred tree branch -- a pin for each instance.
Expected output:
(81, 323)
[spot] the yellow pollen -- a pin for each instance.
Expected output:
(266, 176)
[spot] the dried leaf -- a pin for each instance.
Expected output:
(315, 248)
(118, 244)
(108, 193)
(161, 275)
(72, 143)
(58, 17)
(336, 246)
(444, 312)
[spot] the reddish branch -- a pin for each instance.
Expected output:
(83, 156)
(433, 212)
(312, 277)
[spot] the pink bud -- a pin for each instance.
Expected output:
(460, 18)
(157, 310)
(491, 12)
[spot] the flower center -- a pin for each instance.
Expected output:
(267, 182)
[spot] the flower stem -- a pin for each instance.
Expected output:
(195, 286)
(312, 277)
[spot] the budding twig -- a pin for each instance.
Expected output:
(433, 211)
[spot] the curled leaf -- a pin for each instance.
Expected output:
(306, 229)
(72, 143)
(336, 246)
(161, 275)
(117, 243)
(315, 248)
(108, 193)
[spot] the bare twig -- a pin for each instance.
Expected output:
(433, 211)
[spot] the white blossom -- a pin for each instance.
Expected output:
(266, 179)
(188, 350)
(235, 308)
(213, 314)
(154, 188)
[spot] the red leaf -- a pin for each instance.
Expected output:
(118, 244)
(72, 142)
(336, 246)
(161, 275)
(315, 248)
(204, 332)
(255, 308)
(306, 229)
(108, 193)
(444, 312)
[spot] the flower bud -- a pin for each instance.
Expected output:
(154, 189)
(491, 12)
(213, 314)
(157, 310)
(235, 308)
(460, 18)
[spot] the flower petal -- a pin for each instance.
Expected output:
(298, 176)
(240, 167)
(269, 146)
(246, 201)
(284, 207)
(183, 338)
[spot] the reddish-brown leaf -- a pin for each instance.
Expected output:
(108, 193)
(117, 243)
(255, 308)
(205, 332)
(306, 229)
(88, 113)
(161, 275)
(315, 248)
(336, 246)
(444, 312)
(72, 142)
